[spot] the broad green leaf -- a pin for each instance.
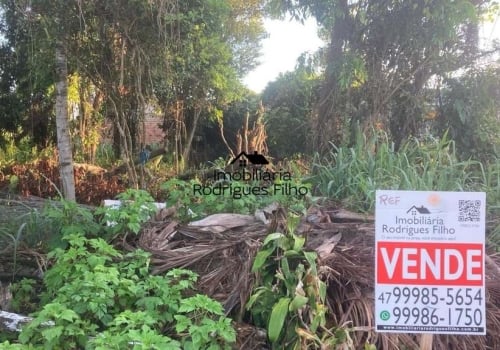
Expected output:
(299, 243)
(68, 315)
(260, 258)
(298, 302)
(182, 323)
(273, 237)
(278, 314)
(292, 254)
(52, 333)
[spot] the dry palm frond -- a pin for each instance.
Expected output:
(223, 257)
(220, 248)
(349, 272)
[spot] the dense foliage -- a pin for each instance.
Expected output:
(352, 174)
(97, 297)
(392, 64)
(403, 96)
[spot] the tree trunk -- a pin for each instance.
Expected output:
(328, 121)
(189, 141)
(62, 124)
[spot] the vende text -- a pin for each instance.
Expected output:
(430, 263)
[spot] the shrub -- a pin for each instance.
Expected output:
(98, 297)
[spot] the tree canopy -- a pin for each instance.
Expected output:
(385, 60)
(400, 66)
(185, 57)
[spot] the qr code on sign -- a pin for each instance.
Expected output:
(469, 210)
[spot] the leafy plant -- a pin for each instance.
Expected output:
(289, 300)
(180, 194)
(57, 326)
(68, 217)
(6, 345)
(198, 330)
(97, 297)
(137, 206)
(24, 296)
(133, 328)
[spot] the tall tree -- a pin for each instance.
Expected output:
(381, 57)
(62, 123)
(184, 56)
(288, 102)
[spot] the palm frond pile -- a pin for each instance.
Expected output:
(222, 247)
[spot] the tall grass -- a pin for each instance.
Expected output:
(353, 174)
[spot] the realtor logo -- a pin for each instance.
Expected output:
(255, 159)
(255, 180)
(421, 210)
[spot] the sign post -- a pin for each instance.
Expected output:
(429, 262)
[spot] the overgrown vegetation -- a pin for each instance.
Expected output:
(402, 96)
(352, 174)
(289, 298)
(100, 298)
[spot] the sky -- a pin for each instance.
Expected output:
(288, 39)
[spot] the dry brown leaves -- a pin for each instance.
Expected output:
(222, 254)
(41, 178)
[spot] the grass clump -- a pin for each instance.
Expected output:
(353, 174)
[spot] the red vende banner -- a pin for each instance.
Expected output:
(430, 263)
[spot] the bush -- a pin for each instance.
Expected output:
(98, 297)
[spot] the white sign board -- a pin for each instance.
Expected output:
(429, 262)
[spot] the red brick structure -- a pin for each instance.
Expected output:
(153, 133)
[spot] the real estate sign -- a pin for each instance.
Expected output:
(429, 275)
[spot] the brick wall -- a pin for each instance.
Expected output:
(153, 133)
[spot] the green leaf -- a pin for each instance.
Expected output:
(298, 243)
(52, 333)
(278, 314)
(183, 323)
(273, 237)
(68, 315)
(298, 302)
(286, 268)
(322, 291)
(292, 254)
(311, 259)
(260, 258)
(259, 291)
